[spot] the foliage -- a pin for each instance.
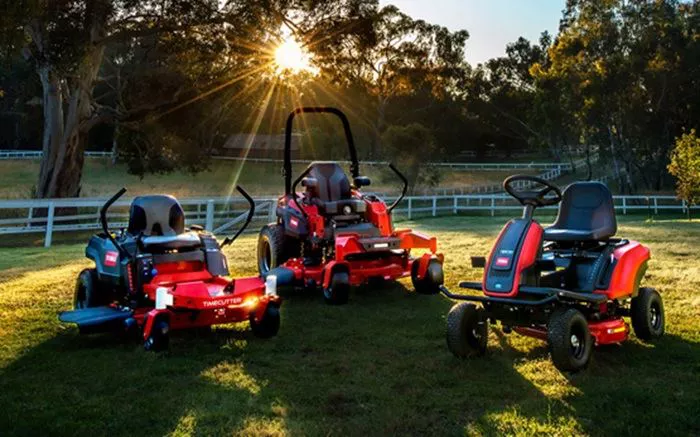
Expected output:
(685, 167)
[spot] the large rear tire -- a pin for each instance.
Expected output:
(570, 341)
(647, 313)
(433, 279)
(89, 292)
(467, 330)
(271, 248)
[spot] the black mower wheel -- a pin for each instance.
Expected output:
(570, 341)
(648, 318)
(159, 340)
(338, 291)
(467, 330)
(434, 277)
(271, 248)
(88, 291)
(269, 325)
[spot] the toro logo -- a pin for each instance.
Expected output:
(502, 261)
(111, 258)
(294, 222)
(222, 302)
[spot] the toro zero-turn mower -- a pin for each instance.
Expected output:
(570, 284)
(334, 236)
(158, 276)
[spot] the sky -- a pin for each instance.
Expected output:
(491, 23)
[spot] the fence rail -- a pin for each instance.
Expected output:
(35, 154)
(222, 214)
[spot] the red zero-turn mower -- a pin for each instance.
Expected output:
(570, 284)
(156, 276)
(334, 236)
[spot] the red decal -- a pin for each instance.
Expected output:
(502, 261)
(111, 258)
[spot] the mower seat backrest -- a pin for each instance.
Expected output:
(333, 191)
(586, 213)
(157, 215)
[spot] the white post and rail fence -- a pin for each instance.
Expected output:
(220, 215)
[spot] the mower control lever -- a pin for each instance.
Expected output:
(403, 191)
(251, 212)
(105, 227)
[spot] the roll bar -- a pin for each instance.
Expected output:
(251, 212)
(287, 169)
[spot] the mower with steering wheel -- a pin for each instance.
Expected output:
(570, 284)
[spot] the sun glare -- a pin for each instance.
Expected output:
(290, 56)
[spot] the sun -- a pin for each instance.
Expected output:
(290, 56)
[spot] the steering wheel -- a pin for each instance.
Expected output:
(532, 197)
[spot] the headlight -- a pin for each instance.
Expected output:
(271, 285)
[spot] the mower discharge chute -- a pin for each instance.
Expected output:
(158, 276)
(570, 284)
(334, 236)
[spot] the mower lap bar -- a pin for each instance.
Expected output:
(87, 318)
(549, 295)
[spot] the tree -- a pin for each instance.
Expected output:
(388, 54)
(685, 167)
(66, 43)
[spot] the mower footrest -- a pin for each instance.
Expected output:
(97, 319)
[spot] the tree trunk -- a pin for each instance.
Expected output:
(66, 129)
(378, 127)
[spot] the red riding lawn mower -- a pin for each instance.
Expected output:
(334, 236)
(157, 276)
(570, 284)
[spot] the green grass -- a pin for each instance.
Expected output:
(100, 178)
(377, 366)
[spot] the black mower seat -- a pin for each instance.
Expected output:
(333, 195)
(160, 220)
(586, 213)
(188, 240)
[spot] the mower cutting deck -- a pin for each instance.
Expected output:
(156, 276)
(334, 236)
(570, 284)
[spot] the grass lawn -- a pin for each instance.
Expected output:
(100, 178)
(377, 366)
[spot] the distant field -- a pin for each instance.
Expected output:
(377, 366)
(100, 178)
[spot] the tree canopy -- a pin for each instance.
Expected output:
(167, 82)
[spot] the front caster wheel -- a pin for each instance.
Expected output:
(159, 339)
(433, 279)
(338, 290)
(269, 324)
(467, 330)
(570, 341)
(648, 319)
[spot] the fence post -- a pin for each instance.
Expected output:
(656, 206)
(493, 206)
(210, 216)
(454, 205)
(683, 207)
(624, 205)
(49, 226)
(29, 217)
(434, 206)
(272, 212)
(409, 209)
